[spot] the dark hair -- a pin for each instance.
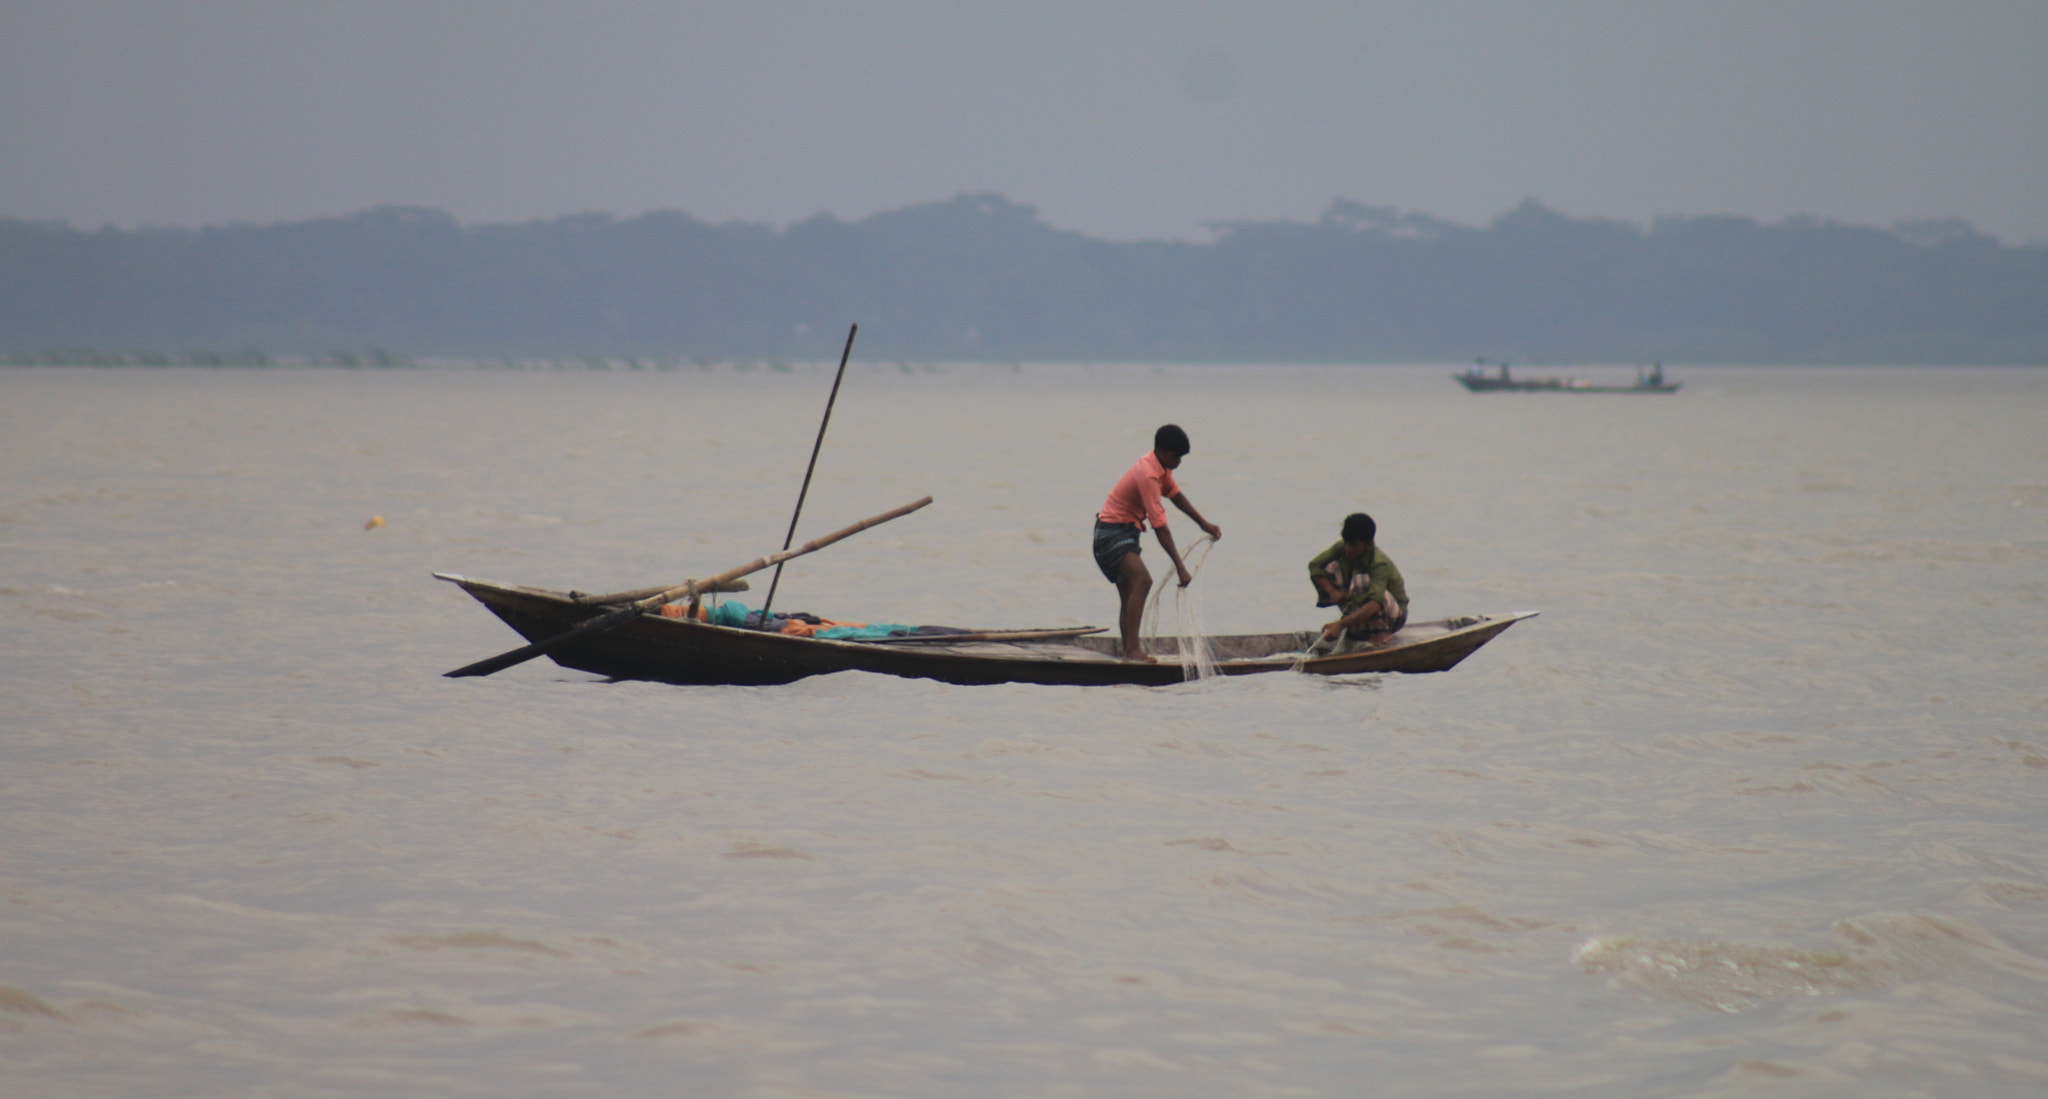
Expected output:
(1359, 527)
(1170, 437)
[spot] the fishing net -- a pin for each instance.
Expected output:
(1196, 660)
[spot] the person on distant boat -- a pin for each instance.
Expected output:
(1657, 373)
(1134, 501)
(1357, 576)
(1503, 370)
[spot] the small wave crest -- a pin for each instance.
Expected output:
(1869, 952)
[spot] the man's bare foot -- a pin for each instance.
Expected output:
(1140, 656)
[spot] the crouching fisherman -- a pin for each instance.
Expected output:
(1356, 576)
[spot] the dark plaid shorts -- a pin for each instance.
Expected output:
(1112, 542)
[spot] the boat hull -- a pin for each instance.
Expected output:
(681, 651)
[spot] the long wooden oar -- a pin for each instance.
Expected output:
(614, 619)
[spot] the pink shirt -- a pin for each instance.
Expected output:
(1138, 493)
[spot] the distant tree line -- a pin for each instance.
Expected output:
(980, 277)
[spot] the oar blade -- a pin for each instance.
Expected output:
(525, 653)
(497, 663)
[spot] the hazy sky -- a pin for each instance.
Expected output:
(1124, 120)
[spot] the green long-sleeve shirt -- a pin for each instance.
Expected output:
(1373, 563)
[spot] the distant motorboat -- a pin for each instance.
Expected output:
(1477, 381)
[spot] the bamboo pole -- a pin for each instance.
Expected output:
(641, 593)
(769, 601)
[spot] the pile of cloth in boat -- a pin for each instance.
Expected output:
(803, 624)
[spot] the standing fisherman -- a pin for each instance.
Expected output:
(1131, 504)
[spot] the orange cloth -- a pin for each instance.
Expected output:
(1138, 492)
(682, 610)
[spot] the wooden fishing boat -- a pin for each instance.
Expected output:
(679, 650)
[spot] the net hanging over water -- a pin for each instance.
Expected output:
(1196, 660)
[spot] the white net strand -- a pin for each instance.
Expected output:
(1196, 660)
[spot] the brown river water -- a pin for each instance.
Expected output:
(1756, 806)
